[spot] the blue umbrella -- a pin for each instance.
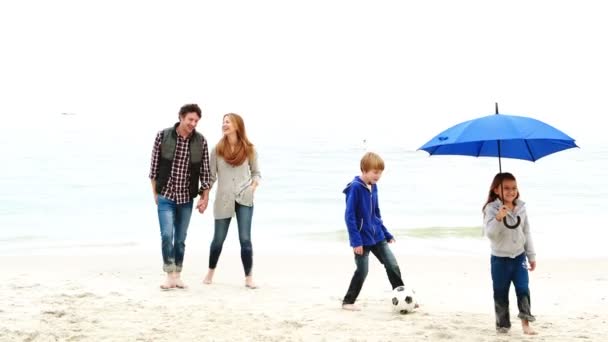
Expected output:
(500, 135)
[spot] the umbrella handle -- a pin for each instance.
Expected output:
(512, 226)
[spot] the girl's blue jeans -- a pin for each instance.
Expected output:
(505, 271)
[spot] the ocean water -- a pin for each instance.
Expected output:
(74, 186)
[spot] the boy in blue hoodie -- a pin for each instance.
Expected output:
(366, 231)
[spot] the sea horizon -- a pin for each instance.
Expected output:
(82, 191)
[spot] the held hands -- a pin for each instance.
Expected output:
(202, 203)
(502, 212)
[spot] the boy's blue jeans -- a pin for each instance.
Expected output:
(244, 214)
(174, 220)
(386, 257)
(504, 271)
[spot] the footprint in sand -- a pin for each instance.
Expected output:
(78, 295)
(85, 295)
(433, 327)
(31, 336)
(57, 314)
(441, 335)
(21, 287)
(292, 324)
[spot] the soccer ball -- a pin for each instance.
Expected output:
(403, 300)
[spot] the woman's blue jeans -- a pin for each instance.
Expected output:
(174, 220)
(244, 215)
(504, 271)
(384, 254)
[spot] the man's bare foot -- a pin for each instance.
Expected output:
(178, 281)
(527, 328)
(169, 283)
(249, 283)
(209, 277)
(351, 307)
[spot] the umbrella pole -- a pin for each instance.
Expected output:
(499, 162)
(502, 195)
(498, 142)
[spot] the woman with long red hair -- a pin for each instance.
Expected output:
(234, 165)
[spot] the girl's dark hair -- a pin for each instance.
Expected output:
(498, 179)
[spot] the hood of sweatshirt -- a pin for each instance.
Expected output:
(355, 183)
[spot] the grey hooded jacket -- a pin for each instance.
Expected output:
(507, 242)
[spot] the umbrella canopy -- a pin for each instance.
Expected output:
(500, 135)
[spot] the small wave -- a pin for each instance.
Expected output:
(442, 232)
(18, 246)
(91, 245)
(20, 238)
(417, 232)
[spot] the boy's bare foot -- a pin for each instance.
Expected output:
(209, 277)
(527, 328)
(249, 283)
(502, 330)
(351, 307)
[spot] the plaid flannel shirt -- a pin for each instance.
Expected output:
(178, 187)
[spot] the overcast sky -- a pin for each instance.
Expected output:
(387, 70)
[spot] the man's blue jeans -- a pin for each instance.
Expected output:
(244, 214)
(386, 257)
(173, 219)
(504, 271)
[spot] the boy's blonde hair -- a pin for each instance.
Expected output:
(371, 161)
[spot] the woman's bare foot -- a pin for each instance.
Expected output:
(351, 307)
(209, 277)
(249, 282)
(527, 328)
(169, 283)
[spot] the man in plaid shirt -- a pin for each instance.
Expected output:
(180, 159)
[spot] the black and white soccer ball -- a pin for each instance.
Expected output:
(403, 300)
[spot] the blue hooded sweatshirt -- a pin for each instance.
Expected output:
(362, 216)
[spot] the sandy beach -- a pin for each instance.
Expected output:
(94, 298)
